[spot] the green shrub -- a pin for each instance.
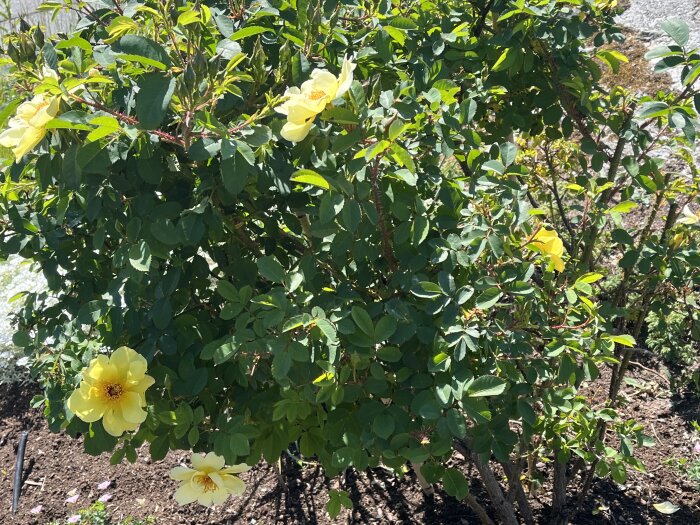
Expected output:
(381, 291)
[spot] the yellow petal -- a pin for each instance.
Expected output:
(296, 132)
(321, 81)
(219, 495)
(86, 407)
(11, 137)
(30, 139)
(345, 78)
(130, 406)
(45, 112)
(187, 493)
(115, 424)
(236, 469)
(99, 370)
(181, 473)
(129, 364)
(290, 92)
(141, 385)
(209, 463)
(300, 110)
(558, 263)
(234, 485)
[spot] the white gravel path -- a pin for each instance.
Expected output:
(15, 276)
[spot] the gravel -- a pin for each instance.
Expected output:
(645, 17)
(16, 276)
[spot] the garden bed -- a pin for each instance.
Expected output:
(56, 468)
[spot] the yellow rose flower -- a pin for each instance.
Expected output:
(209, 482)
(302, 105)
(114, 389)
(549, 243)
(28, 127)
(689, 217)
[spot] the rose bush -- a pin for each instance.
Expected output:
(312, 220)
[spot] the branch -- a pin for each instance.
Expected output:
(482, 18)
(387, 248)
(167, 137)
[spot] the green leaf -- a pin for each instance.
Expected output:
(527, 412)
(590, 278)
(504, 61)
(677, 29)
(488, 298)
(305, 176)
(21, 339)
(455, 484)
(271, 269)
(421, 228)
(402, 22)
(153, 99)
(227, 290)
(653, 109)
(508, 153)
(623, 207)
(390, 354)
(239, 445)
(624, 340)
(340, 115)
(427, 290)
(234, 173)
(487, 386)
(386, 327)
(249, 31)
(383, 425)
(281, 364)
(140, 256)
(144, 47)
(362, 320)
(456, 423)
(219, 351)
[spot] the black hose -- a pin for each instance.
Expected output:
(19, 466)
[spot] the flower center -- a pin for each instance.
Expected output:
(113, 391)
(317, 94)
(206, 483)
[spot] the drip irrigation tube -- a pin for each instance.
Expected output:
(19, 467)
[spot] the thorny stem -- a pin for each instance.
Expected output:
(387, 249)
(167, 137)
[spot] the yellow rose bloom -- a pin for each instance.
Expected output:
(209, 482)
(28, 127)
(302, 105)
(114, 389)
(549, 243)
(689, 217)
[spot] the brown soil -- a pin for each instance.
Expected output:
(55, 465)
(636, 75)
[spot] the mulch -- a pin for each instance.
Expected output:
(56, 467)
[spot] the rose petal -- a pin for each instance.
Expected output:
(104, 485)
(105, 497)
(73, 499)
(75, 518)
(36, 510)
